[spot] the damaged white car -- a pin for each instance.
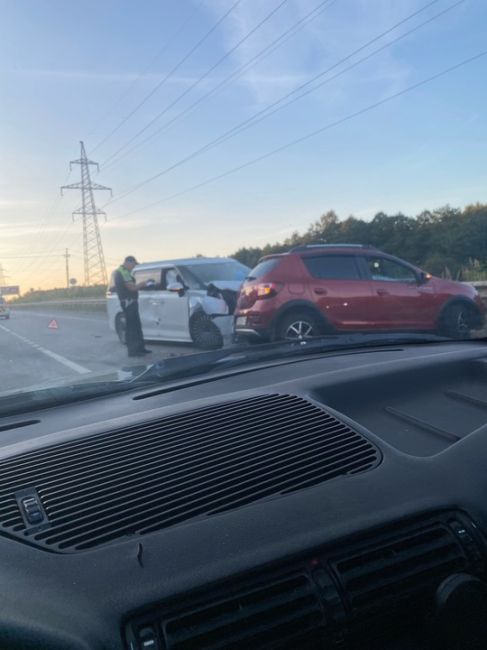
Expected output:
(190, 300)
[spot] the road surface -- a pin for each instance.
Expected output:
(82, 344)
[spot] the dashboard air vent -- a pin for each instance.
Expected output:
(156, 474)
(278, 612)
(400, 567)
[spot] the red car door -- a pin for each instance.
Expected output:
(398, 300)
(340, 290)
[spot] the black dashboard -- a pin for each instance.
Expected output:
(335, 501)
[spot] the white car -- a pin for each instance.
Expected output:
(191, 300)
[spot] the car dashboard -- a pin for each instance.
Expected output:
(325, 501)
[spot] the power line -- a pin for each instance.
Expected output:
(168, 75)
(198, 81)
(235, 131)
(51, 210)
(239, 127)
(42, 273)
(266, 51)
(144, 72)
(312, 134)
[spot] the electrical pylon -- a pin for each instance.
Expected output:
(94, 259)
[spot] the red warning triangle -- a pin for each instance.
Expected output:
(53, 325)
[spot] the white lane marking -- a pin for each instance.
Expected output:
(57, 357)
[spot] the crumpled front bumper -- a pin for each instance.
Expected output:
(217, 310)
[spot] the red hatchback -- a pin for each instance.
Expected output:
(315, 290)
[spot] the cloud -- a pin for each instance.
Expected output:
(333, 34)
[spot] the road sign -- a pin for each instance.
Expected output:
(53, 325)
(12, 290)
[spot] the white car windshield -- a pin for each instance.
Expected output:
(226, 271)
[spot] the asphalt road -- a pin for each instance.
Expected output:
(31, 353)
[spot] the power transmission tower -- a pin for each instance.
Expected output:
(94, 259)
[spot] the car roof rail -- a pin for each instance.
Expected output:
(307, 247)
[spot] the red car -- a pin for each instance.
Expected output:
(315, 290)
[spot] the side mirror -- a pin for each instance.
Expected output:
(423, 277)
(176, 287)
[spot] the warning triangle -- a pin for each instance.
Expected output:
(53, 325)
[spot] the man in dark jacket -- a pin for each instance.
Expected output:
(128, 294)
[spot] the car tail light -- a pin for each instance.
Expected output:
(267, 290)
(250, 293)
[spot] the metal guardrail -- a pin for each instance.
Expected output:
(63, 304)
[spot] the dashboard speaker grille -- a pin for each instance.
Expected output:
(159, 473)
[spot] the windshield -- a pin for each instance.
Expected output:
(227, 271)
(235, 177)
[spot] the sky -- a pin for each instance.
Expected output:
(155, 81)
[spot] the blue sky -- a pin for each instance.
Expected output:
(74, 70)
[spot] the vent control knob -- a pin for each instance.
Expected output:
(461, 613)
(147, 639)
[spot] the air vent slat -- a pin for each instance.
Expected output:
(429, 568)
(258, 635)
(252, 619)
(249, 614)
(410, 564)
(370, 567)
(146, 477)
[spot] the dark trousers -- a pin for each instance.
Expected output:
(133, 333)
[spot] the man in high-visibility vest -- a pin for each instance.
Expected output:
(128, 294)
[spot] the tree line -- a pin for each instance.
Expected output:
(73, 293)
(449, 242)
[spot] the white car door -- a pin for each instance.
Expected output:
(172, 311)
(148, 303)
(172, 316)
(149, 313)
